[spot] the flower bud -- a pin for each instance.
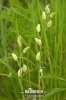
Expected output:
(47, 6)
(24, 68)
(20, 72)
(52, 14)
(14, 57)
(38, 28)
(43, 15)
(38, 56)
(38, 41)
(41, 70)
(49, 24)
(47, 9)
(19, 41)
(25, 49)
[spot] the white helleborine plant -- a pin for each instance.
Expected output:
(47, 9)
(20, 72)
(38, 56)
(43, 15)
(24, 68)
(49, 24)
(19, 41)
(25, 49)
(14, 56)
(38, 41)
(38, 28)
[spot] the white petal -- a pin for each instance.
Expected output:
(38, 56)
(19, 41)
(25, 49)
(14, 56)
(43, 15)
(52, 14)
(38, 28)
(20, 72)
(47, 9)
(38, 41)
(49, 24)
(24, 68)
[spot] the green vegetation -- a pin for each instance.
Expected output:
(32, 49)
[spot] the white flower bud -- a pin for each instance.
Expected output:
(38, 41)
(38, 28)
(41, 70)
(14, 57)
(47, 6)
(52, 14)
(19, 41)
(25, 49)
(24, 68)
(49, 24)
(47, 9)
(43, 15)
(38, 56)
(20, 72)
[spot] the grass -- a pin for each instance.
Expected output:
(21, 18)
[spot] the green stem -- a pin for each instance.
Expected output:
(20, 82)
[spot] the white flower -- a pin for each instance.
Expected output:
(47, 6)
(25, 49)
(38, 41)
(49, 24)
(38, 28)
(24, 68)
(38, 56)
(14, 56)
(19, 41)
(47, 9)
(43, 15)
(52, 14)
(41, 70)
(20, 72)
